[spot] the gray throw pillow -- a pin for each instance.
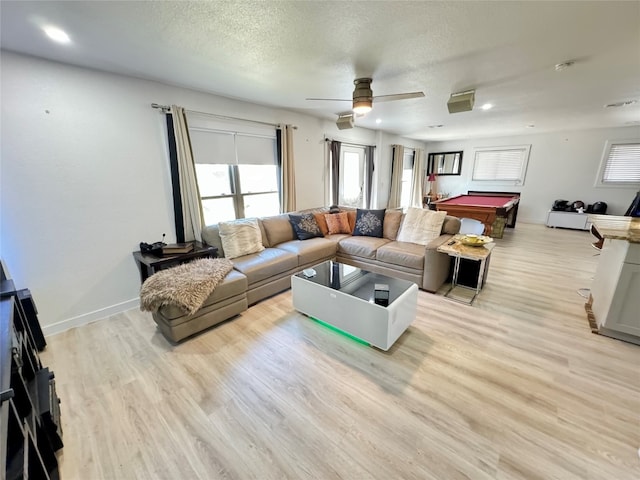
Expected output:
(305, 225)
(369, 223)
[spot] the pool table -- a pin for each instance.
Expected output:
(483, 207)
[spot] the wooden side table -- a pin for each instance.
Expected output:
(149, 264)
(454, 248)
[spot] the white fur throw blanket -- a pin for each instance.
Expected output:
(186, 286)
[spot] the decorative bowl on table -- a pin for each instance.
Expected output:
(475, 240)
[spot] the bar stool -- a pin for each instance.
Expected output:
(585, 292)
(600, 239)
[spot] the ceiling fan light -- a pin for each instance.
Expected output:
(362, 106)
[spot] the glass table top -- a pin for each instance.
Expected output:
(355, 281)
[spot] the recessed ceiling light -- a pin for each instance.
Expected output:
(564, 65)
(487, 106)
(56, 34)
(435, 126)
(620, 104)
(378, 120)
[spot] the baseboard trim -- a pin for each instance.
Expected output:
(90, 317)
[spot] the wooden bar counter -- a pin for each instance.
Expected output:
(614, 305)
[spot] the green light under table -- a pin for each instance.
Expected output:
(341, 332)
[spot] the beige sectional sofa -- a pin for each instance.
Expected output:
(259, 275)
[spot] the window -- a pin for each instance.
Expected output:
(351, 189)
(237, 174)
(620, 164)
(407, 176)
(504, 165)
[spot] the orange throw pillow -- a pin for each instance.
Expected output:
(351, 215)
(322, 223)
(337, 222)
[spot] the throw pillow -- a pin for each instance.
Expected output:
(421, 226)
(322, 223)
(337, 223)
(305, 225)
(351, 215)
(391, 224)
(240, 237)
(369, 223)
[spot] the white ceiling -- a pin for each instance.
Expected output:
(277, 53)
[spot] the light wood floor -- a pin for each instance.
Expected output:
(515, 387)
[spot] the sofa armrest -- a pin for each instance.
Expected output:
(436, 265)
(211, 236)
(436, 242)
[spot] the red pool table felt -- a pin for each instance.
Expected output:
(477, 201)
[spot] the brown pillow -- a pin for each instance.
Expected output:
(391, 225)
(337, 223)
(351, 215)
(322, 223)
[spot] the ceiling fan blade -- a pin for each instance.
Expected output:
(331, 99)
(398, 96)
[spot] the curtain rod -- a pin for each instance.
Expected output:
(167, 108)
(326, 139)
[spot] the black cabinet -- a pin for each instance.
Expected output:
(469, 272)
(29, 406)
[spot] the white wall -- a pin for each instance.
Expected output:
(85, 178)
(562, 165)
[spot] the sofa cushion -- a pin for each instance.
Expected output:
(391, 224)
(404, 254)
(451, 225)
(311, 250)
(336, 237)
(364, 247)
(235, 283)
(322, 223)
(338, 223)
(211, 236)
(351, 216)
(265, 264)
(305, 225)
(369, 223)
(421, 226)
(240, 237)
(278, 229)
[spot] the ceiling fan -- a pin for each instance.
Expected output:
(363, 96)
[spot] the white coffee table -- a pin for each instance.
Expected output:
(343, 297)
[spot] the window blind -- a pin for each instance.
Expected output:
(407, 160)
(255, 150)
(212, 147)
(503, 164)
(230, 148)
(622, 164)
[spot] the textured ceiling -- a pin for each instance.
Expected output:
(278, 53)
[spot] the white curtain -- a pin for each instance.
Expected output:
(191, 207)
(287, 171)
(417, 178)
(396, 177)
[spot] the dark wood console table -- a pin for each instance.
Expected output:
(149, 264)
